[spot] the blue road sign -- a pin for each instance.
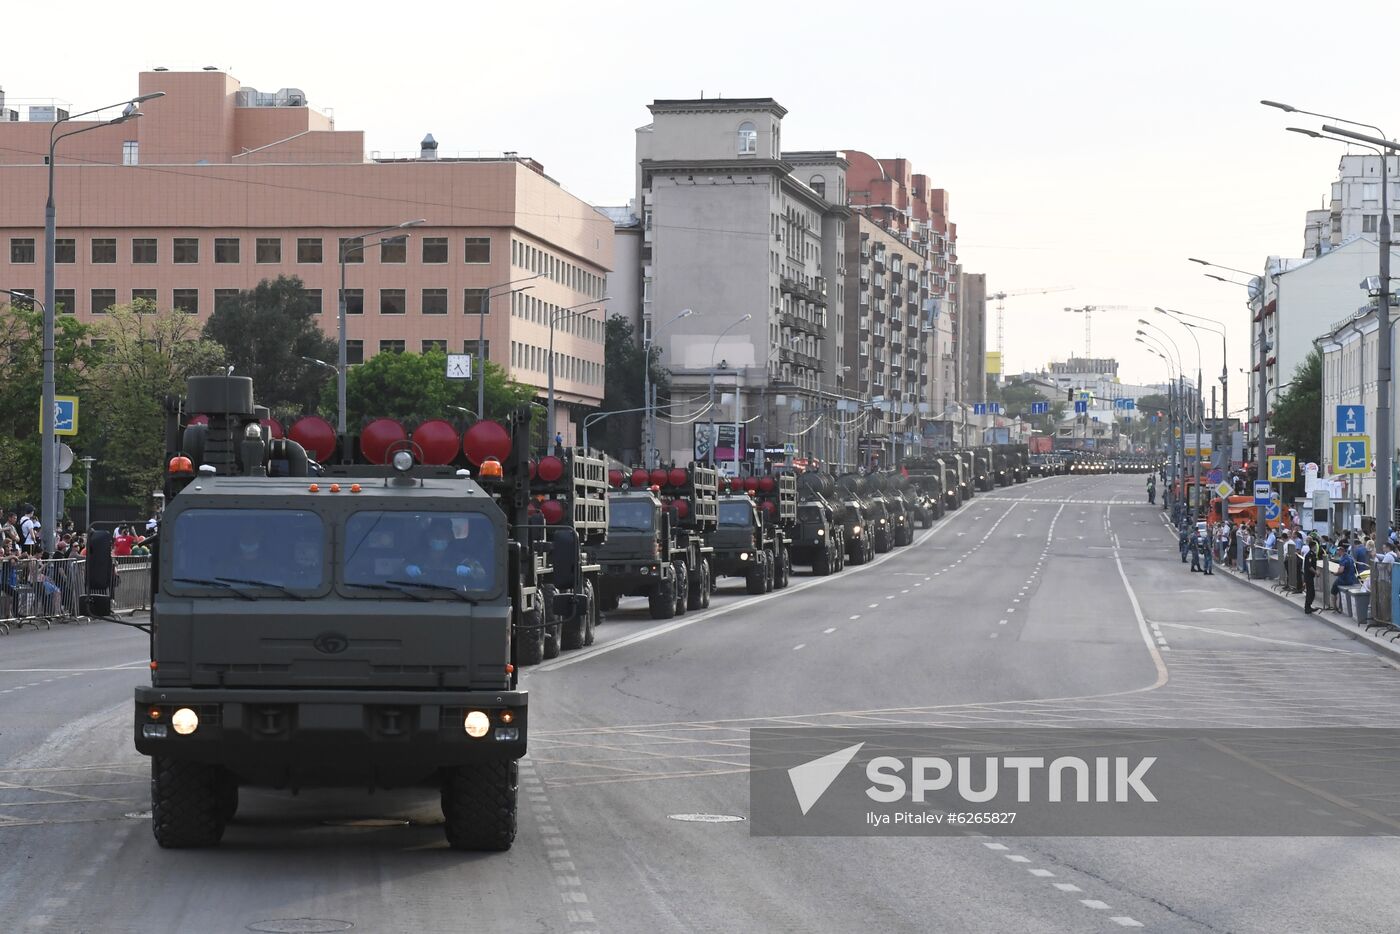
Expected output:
(1261, 493)
(1351, 454)
(1351, 419)
(1271, 511)
(979, 408)
(1215, 476)
(1130, 403)
(1081, 407)
(1040, 408)
(996, 408)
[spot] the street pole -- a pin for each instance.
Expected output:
(87, 491)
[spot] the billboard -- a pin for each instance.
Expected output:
(724, 445)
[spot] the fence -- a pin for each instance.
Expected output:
(35, 592)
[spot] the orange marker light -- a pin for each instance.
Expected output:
(153, 664)
(507, 716)
(335, 487)
(153, 713)
(354, 488)
(491, 469)
(181, 464)
(313, 488)
(510, 669)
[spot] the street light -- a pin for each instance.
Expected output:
(649, 418)
(48, 485)
(321, 363)
(554, 318)
(354, 245)
(1263, 346)
(1173, 405)
(713, 438)
(465, 411)
(481, 332)
(1385, 450)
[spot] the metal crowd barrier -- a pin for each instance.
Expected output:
(1381, 592)
(36, 592)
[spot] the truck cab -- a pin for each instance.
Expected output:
(640, 556)
(818, 539)
(741, 545)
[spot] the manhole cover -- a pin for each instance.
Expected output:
(139, 815)
(300, 926)
(707, 818)
(368, 822)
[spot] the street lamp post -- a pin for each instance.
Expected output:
(348, 246)
(48, 481)
(1200, 399)
(87, 462)
(1224, 357)
(714, 440)
(481, 334)
(554, 318)
(648, 404)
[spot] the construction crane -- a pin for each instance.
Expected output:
(1088, 312)
(1001, 298)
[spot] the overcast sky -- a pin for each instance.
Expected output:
(1085, 143)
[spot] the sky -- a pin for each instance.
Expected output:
(1087, 144)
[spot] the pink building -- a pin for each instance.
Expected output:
(218, 187)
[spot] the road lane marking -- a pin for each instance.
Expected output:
(1094, 903)
(827, 632)
(1126, 921)
(1042, 873)
(1066, 887)
(1018, 858)
(856, 616)
(799, 647)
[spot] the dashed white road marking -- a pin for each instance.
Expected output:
(1093, 903)
(856, 616)
(1042, 873)
(799, 647)
(1066, 886)
(1018, 858)
(1126, 921)
(827, 632)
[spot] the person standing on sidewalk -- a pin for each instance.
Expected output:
(1206, 547)
(1310, 549)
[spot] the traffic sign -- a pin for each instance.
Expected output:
(65, 415)
(995, 407)
(1190, 444)
(1351, 419)
(979, 408)
(1040, 408)
(1282, 468)
(1081, 407)
(1271, 511)
(65, 457)
(1223, 489)
(1216, 476)
(789, 449)
(1351, 453)
(1262, 493)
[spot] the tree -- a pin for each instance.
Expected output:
(623, 362)
(145, 355)
(266, 333)
(1297, 419)
(21, 387)
(413, 387)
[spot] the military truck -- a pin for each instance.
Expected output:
(966, 469)
(569, 523)
(901, 524)
(878, 528)
(819, 536)
(927, 476)
(1003, 469)
(984, 478)
(350, 624)
(659, 522)
(751, 538)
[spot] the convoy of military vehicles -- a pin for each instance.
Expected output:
(356, 610)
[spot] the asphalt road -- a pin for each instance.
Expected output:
(1056, 603)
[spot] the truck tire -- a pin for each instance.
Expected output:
(662, 600)
(682, 586)
(530, 649)
(552, 634)
(708, 587)
(753, 579)
(574, 633)
(595, 615)
(784, 569)
(822, 565)
(698, 588)
(478, 805)
(768, 572)
(188, 801)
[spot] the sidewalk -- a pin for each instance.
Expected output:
(1338, 621)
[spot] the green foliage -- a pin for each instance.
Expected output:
(1296, 423)
(624, 361)
(412, 387)
(145, 355)
(266, 332)
(21, 387)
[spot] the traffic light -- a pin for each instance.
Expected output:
(1069, 395)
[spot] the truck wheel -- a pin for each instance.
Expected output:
(662, 600)
(822, 566)
(753, 580)
(529, 650)
(552, 635)
(697, 588)
(478, 805)
(784, 569)
(682, 586)
(768, 572)
(188, 801)
(708, 585)
(574, 633)
(594, 616)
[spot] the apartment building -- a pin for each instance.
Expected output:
(1354, 208)
(219, 186)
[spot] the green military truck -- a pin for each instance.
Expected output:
(346, 625)
(819, 534)
(658, 524)
(752, 536)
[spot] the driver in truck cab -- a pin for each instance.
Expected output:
(447, 558)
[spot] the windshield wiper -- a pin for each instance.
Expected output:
(209, 582)
(255, 583)
(429, 585)
(408, 593)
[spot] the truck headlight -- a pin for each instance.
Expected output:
(184, 721)
(743, 556)
(821, 532)
(855, 531)
(477, 724)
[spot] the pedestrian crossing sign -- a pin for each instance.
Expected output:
(1351, 453)
(65, 415)
(1282, 469)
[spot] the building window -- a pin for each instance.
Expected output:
(434, 249)
(476, 250)
(227, 250)
(354, 351)
(434, 301)
(65, 251)
(308, 249)
(314, 299)
(354, 300)
(186, 250)
(143, 251)
(187, 300)
(393, 302)
(471, 347)
(431, 345)
(18, 300)
(748, 139)
(131, 152)
(144, 300)
(1371, 191)
(65, 301)
(21, 249)
(818, 184)
(389, 346)
(394, 250)
(103, 299)
(1369, 223)
(476, 302)
(352, 249)
(224, 298)
(267, 250)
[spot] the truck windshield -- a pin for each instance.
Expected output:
(425, 554)
(280, 549)
(631, 515)
(809, 514)
(735, 513)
